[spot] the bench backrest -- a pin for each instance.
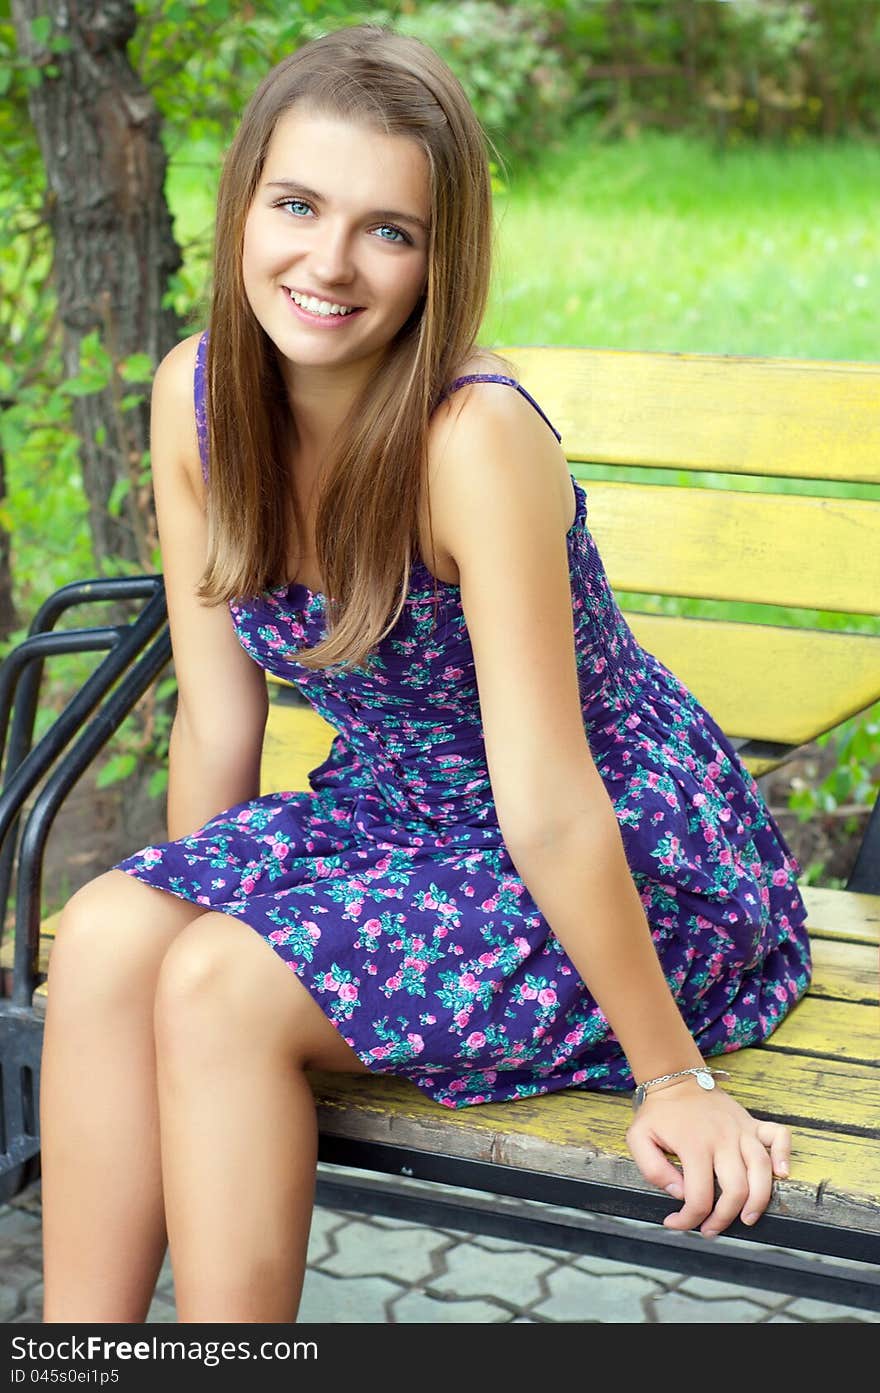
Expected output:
(772, 680)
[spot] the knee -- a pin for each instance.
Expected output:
(196, 989)
(83, 957)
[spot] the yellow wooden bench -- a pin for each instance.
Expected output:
(556, 1167)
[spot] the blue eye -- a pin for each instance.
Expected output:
(285, 202)
(398, 237)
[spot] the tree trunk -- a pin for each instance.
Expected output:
(98, 130)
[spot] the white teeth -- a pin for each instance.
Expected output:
(324, 307)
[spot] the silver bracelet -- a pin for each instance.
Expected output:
(701, 1072)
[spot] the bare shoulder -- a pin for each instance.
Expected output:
(178, 366)
(173, 406)
(214, 673)
(484, 440)
(503, 502)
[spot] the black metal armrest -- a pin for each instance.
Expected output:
(144, 647)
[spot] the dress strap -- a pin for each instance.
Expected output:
(201, 404)
(497, 377)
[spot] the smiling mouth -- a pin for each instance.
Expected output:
(325, 308)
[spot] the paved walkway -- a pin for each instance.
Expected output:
(389, 1271)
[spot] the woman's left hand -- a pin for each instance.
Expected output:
(712, 1135)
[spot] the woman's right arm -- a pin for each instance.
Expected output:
(222, 702)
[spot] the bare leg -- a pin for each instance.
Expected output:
(103, 1218)
(235, 1030)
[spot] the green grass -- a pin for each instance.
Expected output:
(664, 243)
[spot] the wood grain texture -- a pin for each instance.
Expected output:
(764, 681)
(842, 914)
(844, 971)
(787, 418)
(832, 1029)
(771, 549)
(835, 1177)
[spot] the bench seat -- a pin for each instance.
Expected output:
(819, 1072)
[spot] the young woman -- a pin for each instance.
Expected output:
(530, 861)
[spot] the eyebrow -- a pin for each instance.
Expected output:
(293, 187)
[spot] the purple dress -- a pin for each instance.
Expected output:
(387, 886)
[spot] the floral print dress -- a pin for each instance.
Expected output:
(388, 889)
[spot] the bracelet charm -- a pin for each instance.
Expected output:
(704, 1075)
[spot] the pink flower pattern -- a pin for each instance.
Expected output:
(387, 886)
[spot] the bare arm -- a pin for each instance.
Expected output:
(496, 459)
(203, 782)
(217, 735)
(582, 885)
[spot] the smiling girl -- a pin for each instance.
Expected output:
(530, 861)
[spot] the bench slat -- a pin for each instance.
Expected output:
(814, 553)
(844, 971)
(842, 914)
(830, 1029)
(296, 740)
(832, 1095)
(835, 1176)
(819, 678)
(717, 412)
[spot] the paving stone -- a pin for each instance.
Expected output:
(577, 1296)
(510, 1276)
(162, 1312)
(32, 1311)
(9, 1301)
(30, 1198)
(419, 1307)
(324, 1223)
(675, 1307)
(24, 1268)
(512, 1245)
(387, 1222)
(583, 1288)
(332, 1299)
(611, 1267)
(828, 1310)
(364, 1250)
(165, 1280)
(18, 1223)
(711, 1289)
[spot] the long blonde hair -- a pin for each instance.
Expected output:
(367, 520)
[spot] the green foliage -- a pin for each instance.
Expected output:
(854, 782)
(117, 768)
(649, 244)
(505, 58)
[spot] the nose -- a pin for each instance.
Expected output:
(332, 256)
